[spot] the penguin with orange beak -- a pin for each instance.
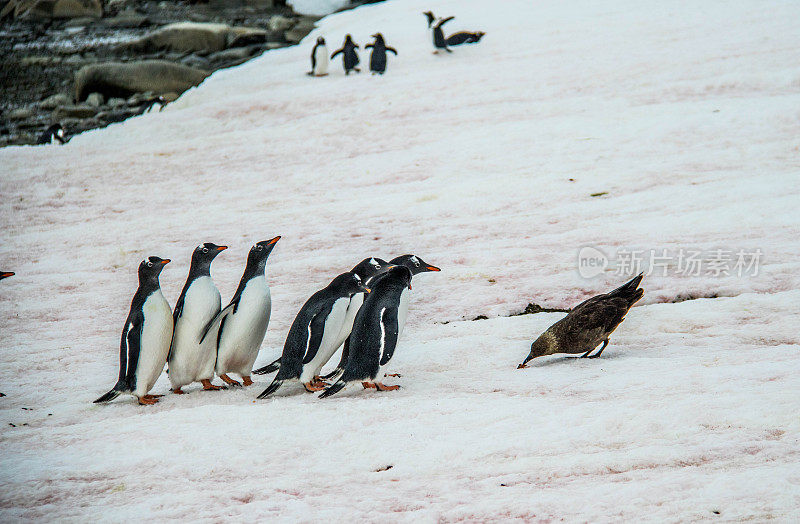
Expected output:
(199, 302)
(146, 337)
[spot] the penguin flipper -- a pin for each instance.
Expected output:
(336, 53)
(316, 329)
(129, 352)
(390, 332)
(392, 50)
(215, 323)
(269, 368)
(334, 389)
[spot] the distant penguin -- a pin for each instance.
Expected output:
(375, 333)
(377, 60)
(439, 41)
(6, 274)
(416, 265)
(464, 37)
(314, 330)
(366, 270)
(148, 106)
(52, 135)
(146, 337)
(319, 58)
(587, 324)
(240, 327)
(199, 303)
(349, 55)
(431, 18)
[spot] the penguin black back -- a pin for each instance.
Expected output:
(377, 59)
(202, 256)
(375, 330)
(256, 263)
(439, 41)
(349, 55)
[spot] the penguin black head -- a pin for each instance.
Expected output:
(414, 263)
(260, 251)
(6, 274)
(378, 38)
(430, 17)
(400, 273)
(320, 41)
(150, 269)
(370, 267)
(205, 253)
(348, 39)
(349, 284)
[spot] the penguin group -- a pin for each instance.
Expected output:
(199, 338)
(378, 56)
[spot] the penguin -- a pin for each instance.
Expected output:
(366, 270)
(146, 337)
(439, 41)
(319, 59)
(52, 135)
(464, 37)
(6, 274)
(349, 55)
(313, 331)
(431, 18)
(416, 265)
(199, 302)
(150, 104)
(587, 324)
(240, 327)
(377, 60)
(375, 333)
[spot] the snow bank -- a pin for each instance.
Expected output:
(317, 7)
(483, 162)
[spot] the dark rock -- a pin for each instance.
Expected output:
(116, 79)
(127, 18)
(49, 9)
(300, 30)
(52, 102)
(77, 111)
(95, 100)
(20, 114)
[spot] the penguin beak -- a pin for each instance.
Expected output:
(222, 248)
(368, 290)
(6, 274)
(432, 268)
(274, 240)
(166, 261)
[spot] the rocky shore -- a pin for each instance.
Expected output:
(86, 63)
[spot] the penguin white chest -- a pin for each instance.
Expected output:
(402, 311)
(347, 326)
(321, 60)
(244, 330)
(154, 343)
(190, 360)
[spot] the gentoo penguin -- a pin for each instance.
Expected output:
(319, 58)
(588, 324)
(313, 331)
(146, 337)
(199, 303)
(464, 37)
(366, 270)
(349, 55)
(416, 265)
(439, 41)
(52, 135)
(375, 332)
(377, 60)
(150, 104)
(241, 326)
(6, 274)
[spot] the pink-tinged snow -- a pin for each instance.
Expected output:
(686, 113)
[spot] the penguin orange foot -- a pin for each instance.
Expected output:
(311, 388)
(144, 401)
(246, 381)
(229, 381)
(381, 387)
(368, 385)
(208, 386)
(178, 391)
